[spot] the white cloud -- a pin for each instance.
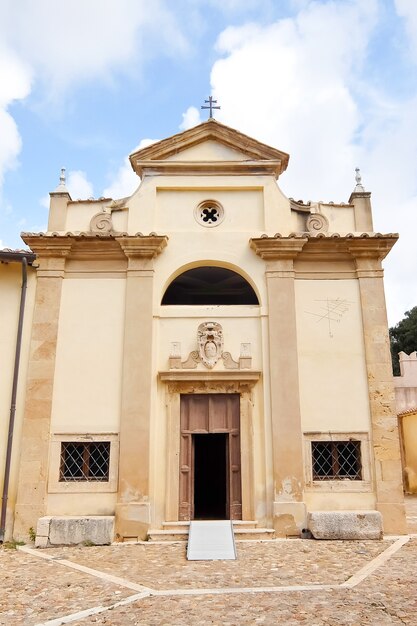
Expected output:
(79, 39)
(45, 201)
(63, 45)
(15, 81)
(299, 84)
(125, 181)
(78, 185)
(408, 10)
(289, 84)
(190, 118)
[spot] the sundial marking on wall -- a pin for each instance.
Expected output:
(331, 310)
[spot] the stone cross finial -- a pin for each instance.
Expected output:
(211, 104)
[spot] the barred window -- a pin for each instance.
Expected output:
(85, 461)
(336, 460)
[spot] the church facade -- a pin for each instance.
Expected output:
(208, 349)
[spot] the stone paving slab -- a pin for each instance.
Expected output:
(387, 597)
(266, 564)
(37, 592)
(33, 590)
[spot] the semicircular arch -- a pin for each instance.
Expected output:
(209, 282)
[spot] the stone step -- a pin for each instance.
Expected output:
(174, 526)
(179, 532)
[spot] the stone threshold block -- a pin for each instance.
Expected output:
(345, 524)
(67, 530)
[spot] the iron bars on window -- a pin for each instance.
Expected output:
(336, 460)
(85, 461)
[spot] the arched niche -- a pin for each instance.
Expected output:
(208, 285)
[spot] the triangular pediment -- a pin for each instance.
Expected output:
(209, 144)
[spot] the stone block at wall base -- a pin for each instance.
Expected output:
(289, 518)
(345, 525)
(393, 516)
(68, 530)
(132, 521)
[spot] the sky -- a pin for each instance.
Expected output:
(331, 82)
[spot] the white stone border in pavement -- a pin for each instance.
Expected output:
(146, 592)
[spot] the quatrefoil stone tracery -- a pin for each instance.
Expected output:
(209, 213)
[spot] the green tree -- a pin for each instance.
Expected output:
(403, 338)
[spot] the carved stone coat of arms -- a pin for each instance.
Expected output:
(210, 343)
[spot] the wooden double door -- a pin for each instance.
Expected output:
(210, 472)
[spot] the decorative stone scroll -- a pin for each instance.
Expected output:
(317, 223)
(210, 351)
(101, 223)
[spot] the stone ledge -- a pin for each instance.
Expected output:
(345, 524)
(69, 530)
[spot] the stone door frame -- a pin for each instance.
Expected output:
(229, 425)
(182, 382)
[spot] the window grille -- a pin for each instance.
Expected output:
(85, 461)
(336, 460)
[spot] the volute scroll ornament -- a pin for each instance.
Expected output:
(101, 222)
(317, 223)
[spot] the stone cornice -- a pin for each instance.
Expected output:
(324, 246)
(210, 168)
(242, 376)
(84, 246)
(359, 194)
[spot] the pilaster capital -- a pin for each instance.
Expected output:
(375, 247)
(142, 246)
(279, 252)
(277, 247)
(51, 252)
(48, 246)
(368, 253)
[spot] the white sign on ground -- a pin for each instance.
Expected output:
(211, 541)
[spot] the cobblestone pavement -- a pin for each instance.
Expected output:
(277, 582)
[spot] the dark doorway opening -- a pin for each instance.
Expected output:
(210, 476)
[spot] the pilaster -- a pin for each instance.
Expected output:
(32, 485)
(133, 507)
(385, 439)
(279, 254)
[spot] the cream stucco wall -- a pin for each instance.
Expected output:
(11, 280)
(409, 436)
(87, 388)
(87, 384)
(333, 388)
(208, 151)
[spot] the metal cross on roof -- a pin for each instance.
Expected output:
(211, 104)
